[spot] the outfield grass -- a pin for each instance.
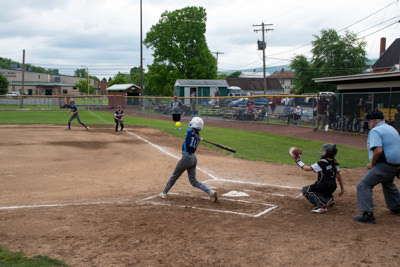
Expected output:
(18, 259)
(250, 145)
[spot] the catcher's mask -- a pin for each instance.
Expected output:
(330, 149)
(196, 123)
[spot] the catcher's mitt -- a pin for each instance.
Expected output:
(295, 153)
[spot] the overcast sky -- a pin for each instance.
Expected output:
(104, 35)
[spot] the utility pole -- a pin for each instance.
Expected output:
(217, 53)
(87, 70)
(141, 55)
(263, 48)
(21, 103)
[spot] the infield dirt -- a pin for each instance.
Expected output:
(81, 197)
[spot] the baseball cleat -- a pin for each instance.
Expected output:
(163, 195)
(117, 133)
(319, 210)
(213, 196)
(365, 218)
(330, 202)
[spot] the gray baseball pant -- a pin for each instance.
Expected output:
(76, 115)
(189, 163)
(383, 174)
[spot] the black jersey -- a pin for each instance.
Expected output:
(119, 114)
(326, 170)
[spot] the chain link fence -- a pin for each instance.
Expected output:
(349, 114)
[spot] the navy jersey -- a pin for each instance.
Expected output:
(326, 170)
(74, 108)
(191, 141)
(119, 114)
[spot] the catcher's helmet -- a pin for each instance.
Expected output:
(374, 115)
(330, 149)
(196, 123)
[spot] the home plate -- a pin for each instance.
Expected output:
(235, 194)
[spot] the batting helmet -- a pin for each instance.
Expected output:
(330, 149)
(196, 123)
(374, 115)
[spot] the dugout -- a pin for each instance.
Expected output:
(361, 92)
(123, 94)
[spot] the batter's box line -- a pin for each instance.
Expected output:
(270, 207)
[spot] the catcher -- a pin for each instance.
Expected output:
(119, 119)
(320, 193)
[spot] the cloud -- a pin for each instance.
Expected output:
(107, 32)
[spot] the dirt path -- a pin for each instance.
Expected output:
(89, 198)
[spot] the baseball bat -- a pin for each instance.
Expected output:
(221, 146)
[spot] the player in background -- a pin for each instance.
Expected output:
(119, 119)
(188, 161)
(176, 110)
(74, 110)
(320, 193)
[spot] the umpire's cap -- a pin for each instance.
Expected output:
(374, 115)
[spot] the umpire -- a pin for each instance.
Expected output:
(384, 154)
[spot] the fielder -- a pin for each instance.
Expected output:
(119, 119)
(74, 110)
(188, 161)
(176, 110)
(320, 193)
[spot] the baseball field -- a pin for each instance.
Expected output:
(89, 198)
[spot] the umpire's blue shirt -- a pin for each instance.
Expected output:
(385, 136)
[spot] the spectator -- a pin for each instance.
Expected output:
(193, 102)
(249, 113)
(273, 105)
(384, 155)
(259, 116)
(295, 115)
(238, 115)
(216, 94)
(368, 105)
(397, 119)
(322, 108)
(332, 109)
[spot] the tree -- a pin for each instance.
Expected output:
(120, 78)
(134, 76)
(180, 50)
(81, 73)
(333, 55)
(82, 86)
(4, 83)
(235, 74)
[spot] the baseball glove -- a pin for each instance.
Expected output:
(295, 153)
(121, 121)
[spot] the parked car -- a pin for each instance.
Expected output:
(12, 94)
(312, 101)
(226, 101)
(243, 101)
(288, 101)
